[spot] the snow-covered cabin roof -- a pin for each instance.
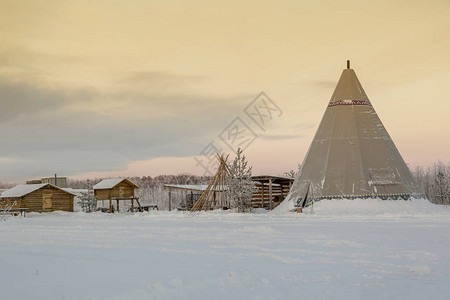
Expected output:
(112, 182)
(24, 189)
(75, 191)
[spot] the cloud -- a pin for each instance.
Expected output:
(152, 79)
(279, 136)
(64, 131)
(25, 101)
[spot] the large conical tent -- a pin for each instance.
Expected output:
(352, 155)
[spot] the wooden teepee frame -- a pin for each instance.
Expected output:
(215, 195)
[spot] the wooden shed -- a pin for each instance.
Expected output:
(43, 197)
(271, 190)
(118, 189)
(189, 194)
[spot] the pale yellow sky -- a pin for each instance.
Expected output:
(128, 86)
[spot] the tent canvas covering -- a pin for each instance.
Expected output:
(352, 155)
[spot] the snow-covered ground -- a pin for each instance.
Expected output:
(395, 252)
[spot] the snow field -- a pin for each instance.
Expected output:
(399, 253)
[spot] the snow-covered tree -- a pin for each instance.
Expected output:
(240, 184)
(441, 189)
(434, 181)
(88, 201)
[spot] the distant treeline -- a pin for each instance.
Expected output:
(147, 181)
(151, 189)
(433, 180)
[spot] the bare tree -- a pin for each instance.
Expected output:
(292, 173)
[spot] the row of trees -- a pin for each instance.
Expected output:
(434, 181)
(152, 191)
(147, 181)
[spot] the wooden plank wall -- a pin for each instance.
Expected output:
(127, 190)
(115, 192)
(263, 190)
(10, 201)
(61, 200)
(102, 194)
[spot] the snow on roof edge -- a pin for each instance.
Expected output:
(110, 183)
(24, 189)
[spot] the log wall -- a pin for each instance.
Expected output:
(122, 189)
(60, 200)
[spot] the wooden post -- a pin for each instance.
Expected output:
(270, 194)
(170, 199)
(110, 205)
(185, 198)
(262, 194)
(117, 205)
(222, 189)
(132, 204)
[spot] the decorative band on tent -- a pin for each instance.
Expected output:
(349, 102)
(368, 196)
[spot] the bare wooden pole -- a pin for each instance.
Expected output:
(207, 203)
(270, 194)
(203, 198)
(222, 188)
(225, 195)
(262, 194)
(170, 199)
(215, 190)
(200, 200)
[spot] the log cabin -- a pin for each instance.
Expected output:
(115, 189)
(42, 197)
